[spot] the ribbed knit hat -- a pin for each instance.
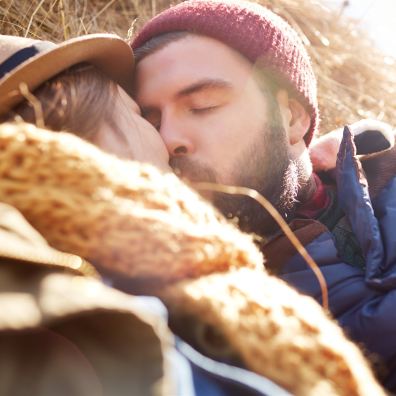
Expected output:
(254, 31)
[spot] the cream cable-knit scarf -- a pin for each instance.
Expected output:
(149, 226)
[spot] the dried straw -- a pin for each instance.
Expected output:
(355, 79)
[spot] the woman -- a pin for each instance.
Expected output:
(80, 86)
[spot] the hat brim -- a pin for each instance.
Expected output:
(108, 52)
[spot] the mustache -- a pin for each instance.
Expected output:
(192, 170)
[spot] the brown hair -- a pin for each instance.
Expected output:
(76, 100)
(158, 42)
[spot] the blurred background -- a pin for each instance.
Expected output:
(377, 17)
(352, 43)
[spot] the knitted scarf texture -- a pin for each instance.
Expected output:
(150, 227)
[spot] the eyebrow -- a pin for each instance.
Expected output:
(204, 85)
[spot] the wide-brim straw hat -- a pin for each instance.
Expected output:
(33, 62)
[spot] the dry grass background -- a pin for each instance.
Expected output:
(355, 79)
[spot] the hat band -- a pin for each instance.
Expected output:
(23, 55)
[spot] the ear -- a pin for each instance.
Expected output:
(295, 118)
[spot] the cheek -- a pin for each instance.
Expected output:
(242, 118)
(236, 126)
(108, 141)
(149, 146)
(158, 148)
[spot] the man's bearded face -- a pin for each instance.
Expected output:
(221, 123)
(265, 167)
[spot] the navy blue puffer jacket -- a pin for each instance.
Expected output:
(362, 300)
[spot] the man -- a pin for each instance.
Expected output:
(74, 334)
(216, 88)
(231, 90)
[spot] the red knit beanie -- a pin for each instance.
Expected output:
(255, 32)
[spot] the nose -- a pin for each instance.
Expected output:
(175, 136)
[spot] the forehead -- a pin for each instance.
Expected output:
(191, 58)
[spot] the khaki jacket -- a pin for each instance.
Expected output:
(63, 332)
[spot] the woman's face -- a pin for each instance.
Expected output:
(127, 135)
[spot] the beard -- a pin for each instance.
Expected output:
(264, 166)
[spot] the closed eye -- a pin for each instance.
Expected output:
(202, 110)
